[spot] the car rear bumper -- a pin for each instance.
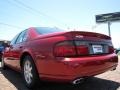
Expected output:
(69, 69)
(71, 78)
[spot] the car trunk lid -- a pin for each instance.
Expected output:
(84, 43)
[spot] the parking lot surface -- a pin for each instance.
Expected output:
(11, 80)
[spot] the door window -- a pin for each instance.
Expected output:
(14, 39)
(22, 37)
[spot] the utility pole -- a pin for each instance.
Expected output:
(109, 30)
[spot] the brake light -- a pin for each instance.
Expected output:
(111, 49)
(65, 49)
(69, 48)
(82, 50)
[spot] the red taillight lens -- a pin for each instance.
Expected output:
(69, 48)
(82, 50)
(65, 49)
(111, 49)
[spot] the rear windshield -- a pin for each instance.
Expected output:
(46, 30)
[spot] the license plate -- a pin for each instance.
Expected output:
(97, 49)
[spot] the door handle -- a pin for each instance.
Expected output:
(21, 47)
(11, 47)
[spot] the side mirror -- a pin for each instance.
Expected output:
(6, 45)
(117, 51)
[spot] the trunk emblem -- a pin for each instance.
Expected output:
(79, 36)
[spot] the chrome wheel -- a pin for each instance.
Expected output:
(28, 71)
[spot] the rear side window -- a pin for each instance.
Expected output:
(14, 39)
(46, 30)
(19, 38)
(22, 37)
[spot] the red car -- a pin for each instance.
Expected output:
(53, 54)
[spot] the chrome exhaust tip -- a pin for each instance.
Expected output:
(77, 81)
(113, 69)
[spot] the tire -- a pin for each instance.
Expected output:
(3, 66)
(0, 60)
(29, 72)
(1, 57)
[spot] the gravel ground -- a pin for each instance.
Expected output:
(11, 80)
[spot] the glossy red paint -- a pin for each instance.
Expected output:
(66, 68)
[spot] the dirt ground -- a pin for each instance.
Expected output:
(11, 80)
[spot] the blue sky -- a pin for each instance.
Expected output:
(73, 14)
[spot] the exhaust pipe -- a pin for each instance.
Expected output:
(113, 69)
(77, 81)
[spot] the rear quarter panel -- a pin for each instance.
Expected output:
(42, 52)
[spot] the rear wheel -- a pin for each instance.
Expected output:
(1, 56)
(29, 72)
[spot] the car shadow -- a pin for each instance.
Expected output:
(93, 83)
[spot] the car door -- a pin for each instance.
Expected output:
(16, 49)
(7, 52)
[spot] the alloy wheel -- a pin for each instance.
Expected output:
(28, 71)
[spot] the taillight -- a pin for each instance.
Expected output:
(82, 50)
(65, 48)
(111, 49)
(70, 48)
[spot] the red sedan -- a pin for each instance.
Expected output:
(53, 54)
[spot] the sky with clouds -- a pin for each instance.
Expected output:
(17, 15)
